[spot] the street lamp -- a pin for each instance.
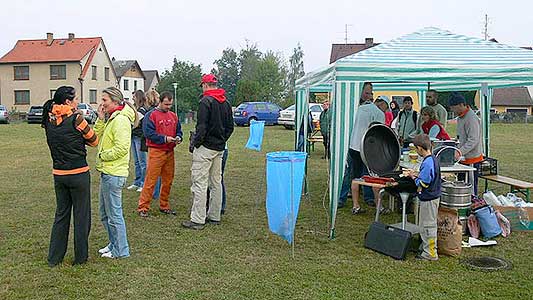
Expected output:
(175, 85)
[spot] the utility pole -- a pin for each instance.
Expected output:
(486, 28)
(346, 33)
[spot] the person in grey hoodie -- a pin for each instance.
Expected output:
(468, 134)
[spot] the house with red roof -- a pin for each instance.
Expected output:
(32, 71)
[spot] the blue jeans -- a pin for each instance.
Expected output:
(111, 213)
(368, 194)
(157, 188)
(139, 158)
(140, 166)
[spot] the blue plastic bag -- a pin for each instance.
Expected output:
(488, 222)
(256, 135)
(285, 176)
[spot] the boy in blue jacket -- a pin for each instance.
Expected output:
(428, 181)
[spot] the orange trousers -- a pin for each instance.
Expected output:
(160, 163)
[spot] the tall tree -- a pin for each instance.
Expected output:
(248, 60)
(296, 69)
(227, 71)
(188, 76)
(248, 88)
(271, 75)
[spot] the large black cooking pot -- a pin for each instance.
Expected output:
(380, 150)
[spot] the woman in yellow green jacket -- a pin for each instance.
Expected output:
(113, 127)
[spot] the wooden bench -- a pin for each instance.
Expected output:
(517, 186)
(315, 137)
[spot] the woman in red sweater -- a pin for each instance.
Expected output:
(431, 126)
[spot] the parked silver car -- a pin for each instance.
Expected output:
(88, 112)
(286, 116)
(4, 114)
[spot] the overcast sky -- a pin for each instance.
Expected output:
(153, 32)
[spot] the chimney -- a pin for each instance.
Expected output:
(369, 42)
(49, 38)
(70, 36)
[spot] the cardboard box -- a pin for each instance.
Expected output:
(513, 211)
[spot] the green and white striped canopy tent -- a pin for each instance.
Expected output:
(431, 57)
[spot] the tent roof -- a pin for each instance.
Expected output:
(446, 60)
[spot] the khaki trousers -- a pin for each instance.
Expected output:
(427, 215)
(206, 171)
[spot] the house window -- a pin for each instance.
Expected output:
(522, 112)
(21, 72)
(22, 97)
(92, 96)
(106, 74)
(126, 85)
(135, 85)
(93, 69)
(52, 92)
(58, 72)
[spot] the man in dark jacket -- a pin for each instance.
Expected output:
(325, 117)
(213, 129)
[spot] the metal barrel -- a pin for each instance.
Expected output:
(456, 194)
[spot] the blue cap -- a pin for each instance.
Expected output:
(456, 99)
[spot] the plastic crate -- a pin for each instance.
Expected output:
(489, 166)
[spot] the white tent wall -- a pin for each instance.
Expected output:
(302, 106)
(485, 104)
(422, 98)
(346, 101)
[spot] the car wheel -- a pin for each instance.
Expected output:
(250, 120)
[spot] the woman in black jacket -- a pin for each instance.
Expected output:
(67, 133)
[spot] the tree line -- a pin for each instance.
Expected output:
(247, 75)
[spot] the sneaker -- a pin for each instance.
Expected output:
(139, 189)
(192, 225)
(384, 211)
(357, 210)
(212, 222)
(132, 187)
(108, 255)
(104, 250)
(143, 214)
(167, 211)
(422, 257)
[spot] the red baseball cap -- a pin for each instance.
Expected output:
(209, 78)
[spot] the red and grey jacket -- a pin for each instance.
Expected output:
(157, 124)
(443, 135)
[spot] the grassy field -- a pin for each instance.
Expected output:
(240, 259)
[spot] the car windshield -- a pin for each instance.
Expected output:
(36, 109)
(292, 107)
(82, 106)
(316, 108)
(242, 106)
(2, 107)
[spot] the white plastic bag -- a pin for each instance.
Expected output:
(491, 199)
(504, 201)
